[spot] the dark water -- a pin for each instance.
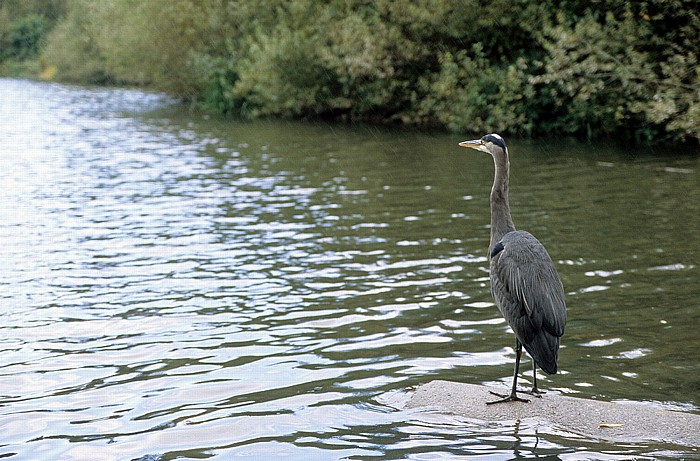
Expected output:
(174, 286)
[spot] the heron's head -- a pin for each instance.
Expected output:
(491, 144)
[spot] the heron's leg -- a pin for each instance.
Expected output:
(513, 396)
(535, 391)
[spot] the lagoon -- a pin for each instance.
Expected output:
(177, 285)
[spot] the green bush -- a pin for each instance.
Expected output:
(470, 94)
(73, 45)
(20, 39)
(24, 25)
(616, 75)
(215, 79)
(608, 68)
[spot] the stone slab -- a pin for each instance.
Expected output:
(611, 421)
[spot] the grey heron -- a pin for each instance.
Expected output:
(524, 282)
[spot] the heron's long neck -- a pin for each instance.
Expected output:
(501, 222)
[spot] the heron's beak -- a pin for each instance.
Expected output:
(475, 144)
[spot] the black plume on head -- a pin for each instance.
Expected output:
(496, 139)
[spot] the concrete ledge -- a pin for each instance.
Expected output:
(609, 421)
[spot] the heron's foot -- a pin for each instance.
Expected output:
(535, 392)
(506, 398)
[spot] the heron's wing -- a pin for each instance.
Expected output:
(524, 278)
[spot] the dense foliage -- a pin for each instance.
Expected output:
(530, 67)
(24, 25)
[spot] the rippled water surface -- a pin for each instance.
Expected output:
(174, 286)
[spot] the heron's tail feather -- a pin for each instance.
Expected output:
(544, 348)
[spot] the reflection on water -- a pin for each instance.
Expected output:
(175, 286)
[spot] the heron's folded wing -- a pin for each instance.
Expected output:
(525, 271)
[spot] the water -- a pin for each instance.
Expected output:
(179, 287)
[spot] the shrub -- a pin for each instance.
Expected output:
(25, 36)
(470, 94)
(529, 67)
(73, 46)
(611, 76)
